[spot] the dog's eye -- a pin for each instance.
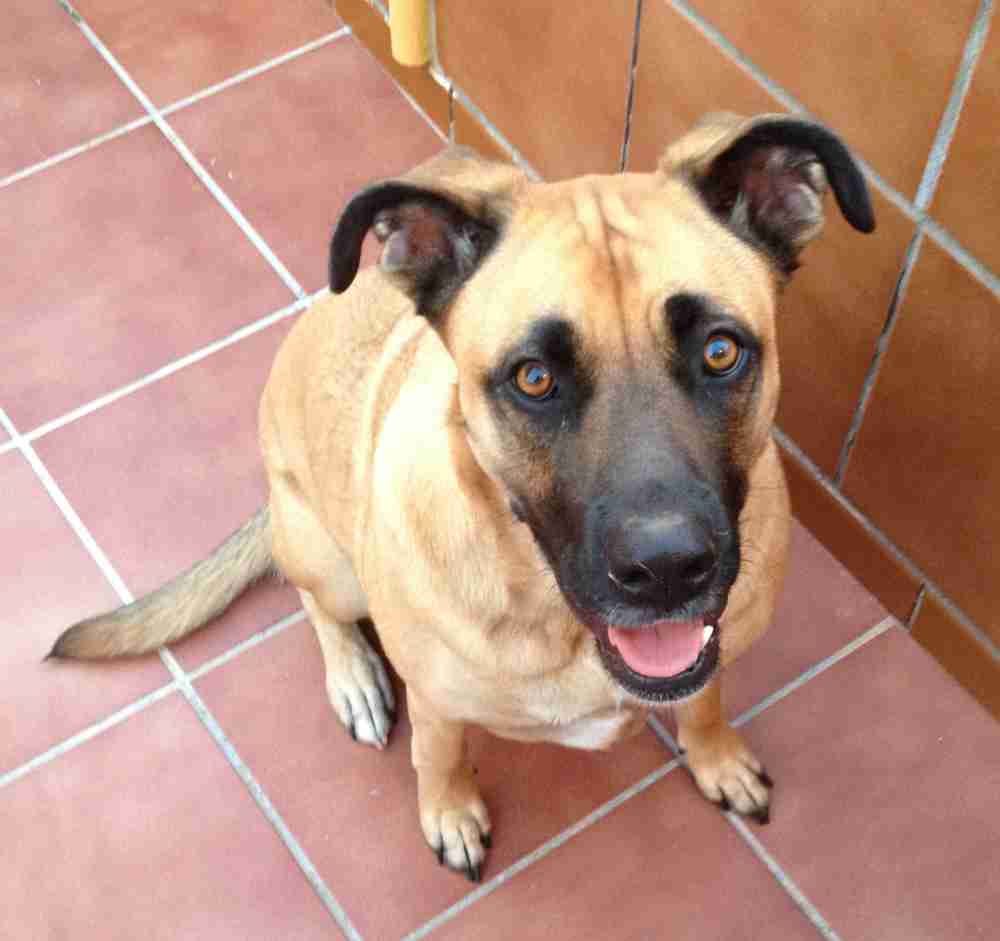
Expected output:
(534, 380)
(722, 354)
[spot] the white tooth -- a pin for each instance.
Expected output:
(706, 634)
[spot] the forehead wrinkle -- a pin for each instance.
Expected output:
(607, 229)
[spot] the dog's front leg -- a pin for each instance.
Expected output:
(454, 818)
(724, 768)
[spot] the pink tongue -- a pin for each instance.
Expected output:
(663, 649)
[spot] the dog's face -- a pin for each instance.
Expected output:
(618, 375)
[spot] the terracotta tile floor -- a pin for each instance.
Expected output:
(212, 794)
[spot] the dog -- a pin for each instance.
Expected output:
(534, 446)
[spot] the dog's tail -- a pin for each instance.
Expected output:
(181, 606)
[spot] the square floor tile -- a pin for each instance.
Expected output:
(665, 864)
(887, 806)
(354, 809)
(118, 262)
(147, 832)
(322, 143)
(164, 475)
(50, 581)
(175, 49)
(55, 90)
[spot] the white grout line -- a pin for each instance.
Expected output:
(256, 70)
(633, 67)
(662, 733)
(170, 368)
(783, 879)
(260, 797)
(815, 670)
(85, 735)
(189, 158)
(247, 644)
(540, 852)
(74, 151)
(896, 303)
(953, 110)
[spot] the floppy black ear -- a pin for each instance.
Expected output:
(432, 241)
(766, 177)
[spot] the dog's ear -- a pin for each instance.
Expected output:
(436, 225)
(765, 177)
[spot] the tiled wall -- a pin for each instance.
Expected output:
(890, 417)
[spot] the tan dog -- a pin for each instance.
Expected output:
(535, 447)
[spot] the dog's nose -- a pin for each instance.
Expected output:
(664, 560)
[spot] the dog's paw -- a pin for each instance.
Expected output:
(457, 829)
(360, 692)
(729, 775)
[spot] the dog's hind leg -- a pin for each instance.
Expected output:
(357, 681)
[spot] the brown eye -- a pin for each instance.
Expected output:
(534, 380)
(722, 354)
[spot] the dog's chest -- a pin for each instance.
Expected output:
(565, 720)
(597, 731)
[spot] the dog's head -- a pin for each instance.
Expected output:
(614, 339)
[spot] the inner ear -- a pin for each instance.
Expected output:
(432, 241)
(768, 180)
(773, 193)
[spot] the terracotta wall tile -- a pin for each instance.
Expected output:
(373, 33)
(829, 322)
(553, 79)
(680, 77)
(855, 547)
(880, 73)
(959, 653)
(926, 467)
(968, 196)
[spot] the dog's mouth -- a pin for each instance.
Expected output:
(663, 661)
